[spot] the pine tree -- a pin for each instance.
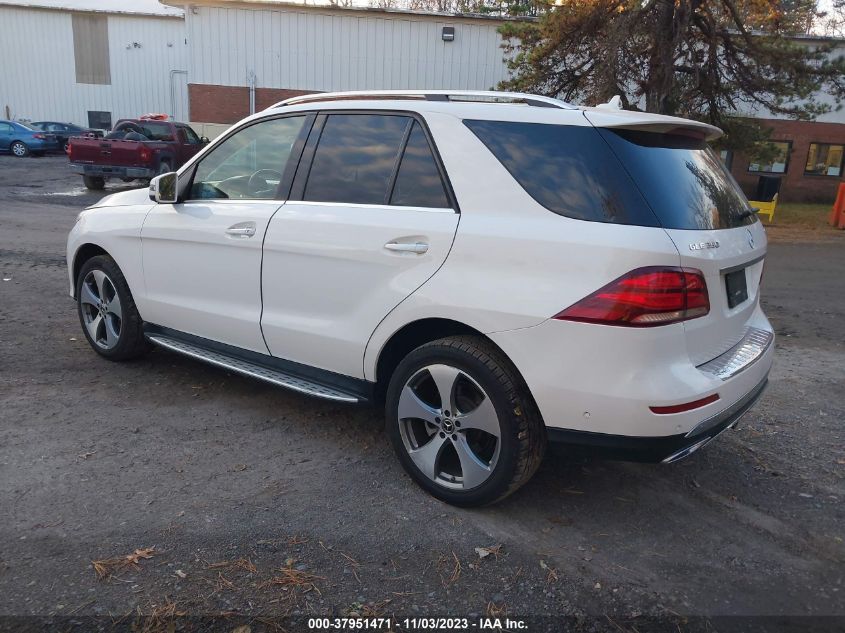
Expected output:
(705, 59)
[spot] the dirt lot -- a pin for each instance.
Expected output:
(260, 502)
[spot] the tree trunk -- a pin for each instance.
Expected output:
(661, 67)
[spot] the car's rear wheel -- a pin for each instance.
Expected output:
(107, 312)
(19, 149)
(462, 421)
(94, 182)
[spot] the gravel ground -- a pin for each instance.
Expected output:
(233, 482)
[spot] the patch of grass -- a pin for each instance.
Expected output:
(810, 216)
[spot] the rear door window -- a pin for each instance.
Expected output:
(568, 169)
(190, 135)
(418, 182)
(355, 158)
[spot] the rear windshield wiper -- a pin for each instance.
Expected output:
(749, 212)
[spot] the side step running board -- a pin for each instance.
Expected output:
(253, 370)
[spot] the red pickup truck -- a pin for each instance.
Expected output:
(134, 149)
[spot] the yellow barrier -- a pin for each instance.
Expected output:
(765, 208)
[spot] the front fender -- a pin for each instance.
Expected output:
(117, 232)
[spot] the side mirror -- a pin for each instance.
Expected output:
(163, 189)
(204, 140)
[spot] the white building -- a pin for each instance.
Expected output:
(91, 62)
(248, 54)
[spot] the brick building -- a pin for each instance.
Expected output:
(809, 161)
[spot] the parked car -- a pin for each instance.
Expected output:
(500, 270)
(21, 139)
(134, 149)
(65, 131)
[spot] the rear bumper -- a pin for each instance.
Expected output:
(659, 449)
(598, 384)
(112, 171)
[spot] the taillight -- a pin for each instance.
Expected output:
(70, 151)
(645, 297)
(40, 136)
(146, 154)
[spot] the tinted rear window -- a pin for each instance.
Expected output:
(619, 176)
(682, 178)
(355, 158)
(418, 182)
(568, 169)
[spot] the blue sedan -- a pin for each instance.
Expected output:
(21, 139)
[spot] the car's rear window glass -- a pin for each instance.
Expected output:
(568, 169)
(148, 130)
(418, 182)
(355, 158)
(682, 178)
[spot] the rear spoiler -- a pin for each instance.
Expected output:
(643, 121)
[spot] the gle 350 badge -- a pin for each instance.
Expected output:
(700, 246)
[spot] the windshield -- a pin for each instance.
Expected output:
(26, 126)
(683, 180)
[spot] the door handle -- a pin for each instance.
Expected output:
(246, 229)
(407, 247)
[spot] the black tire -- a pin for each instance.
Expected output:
(95, 183)
(131, 341)
(522, 442)
(19, 149)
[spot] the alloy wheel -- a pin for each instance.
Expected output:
(449, 427)
(101, 309)
(19, 149)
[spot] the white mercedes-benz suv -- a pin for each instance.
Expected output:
(500, 270)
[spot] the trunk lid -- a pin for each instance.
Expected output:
(732, 262)
(700, 206)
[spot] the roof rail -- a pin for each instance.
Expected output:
(480, 96)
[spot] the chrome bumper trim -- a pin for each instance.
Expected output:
(733, 412)
(750, 348)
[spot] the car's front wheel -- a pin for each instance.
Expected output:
(462, 421)
(107, 312)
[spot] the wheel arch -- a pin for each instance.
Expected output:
(83, 254)
(412, 335)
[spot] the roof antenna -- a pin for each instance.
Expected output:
(615, 103)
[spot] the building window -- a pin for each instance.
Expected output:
(775, 161)
(98, 120)
(824, 159)
(91, 48)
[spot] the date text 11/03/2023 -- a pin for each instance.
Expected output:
(417, 624)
